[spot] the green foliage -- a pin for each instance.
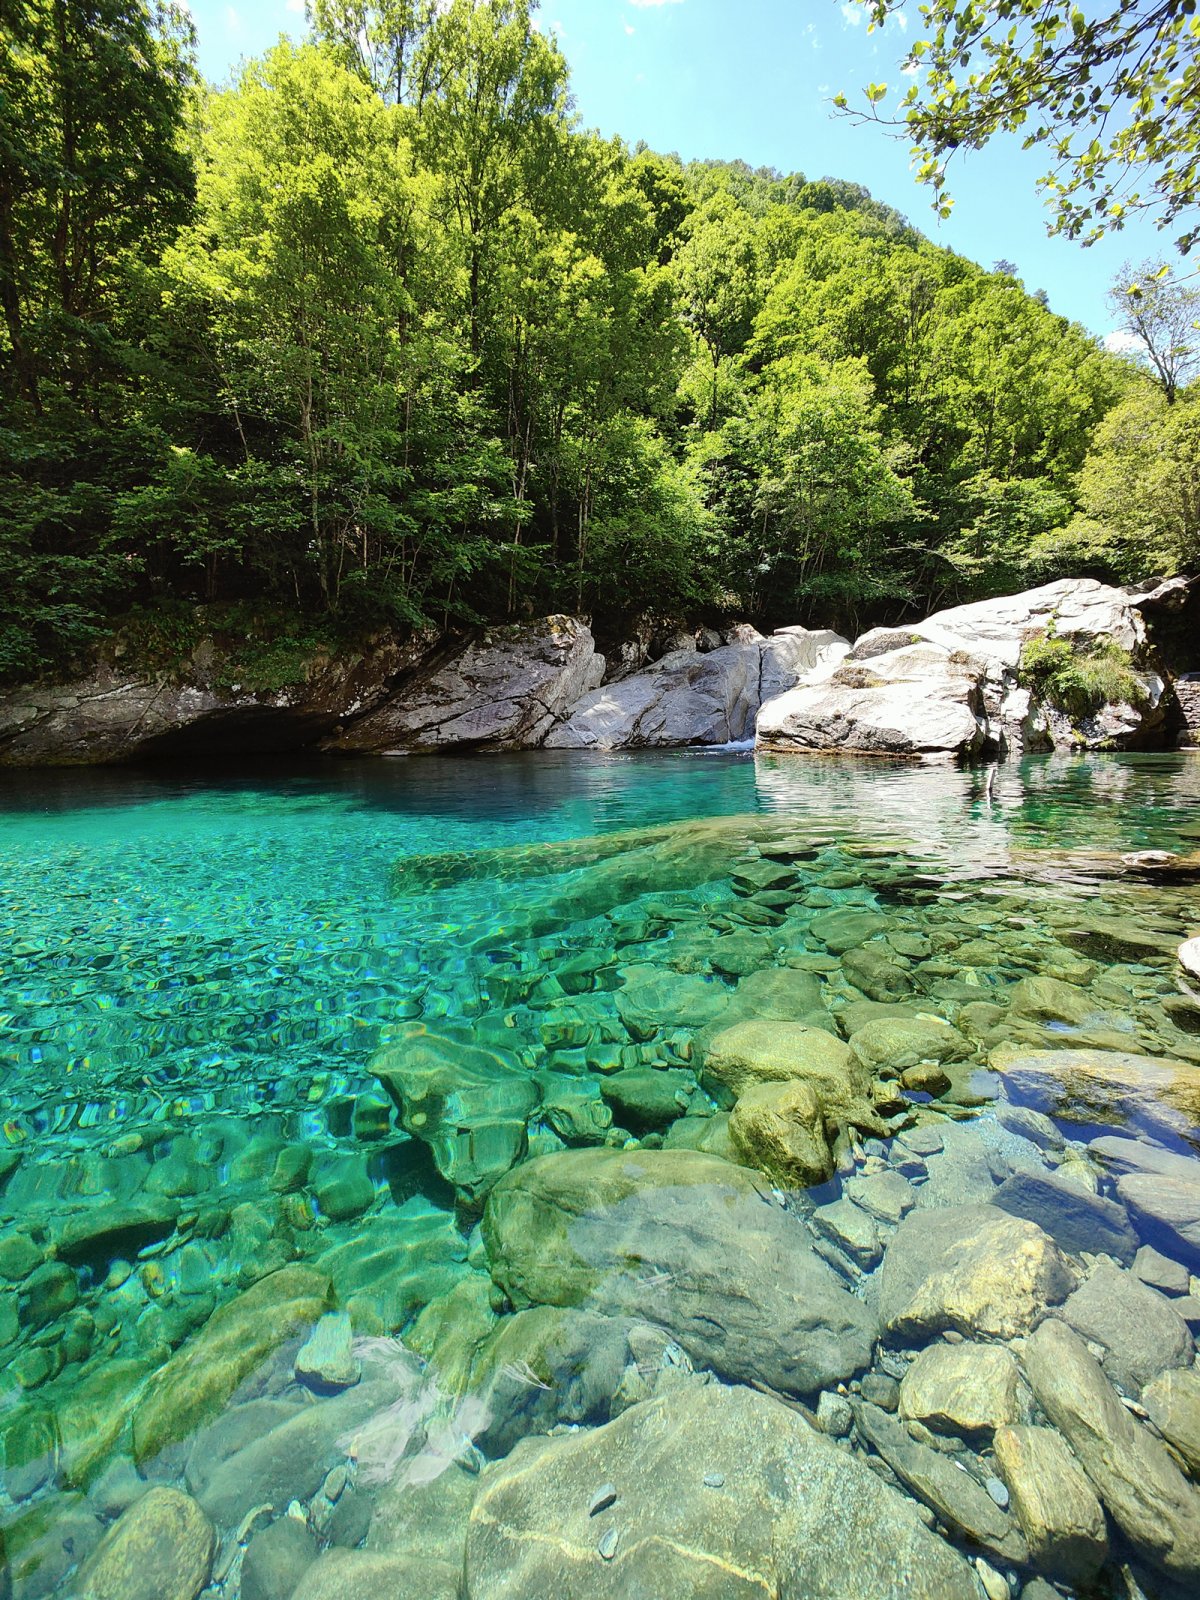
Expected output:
(1081, 679)
(377, 338)
(1113, 93)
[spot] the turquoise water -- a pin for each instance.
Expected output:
(197, 972)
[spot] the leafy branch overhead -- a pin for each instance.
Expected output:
(1111, 95)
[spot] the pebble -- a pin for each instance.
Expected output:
(605, 1496)
(714, 1480)
(835, 1416)
(998, 1491)
(995, 1586)
(607, 1548)
(335, 1482)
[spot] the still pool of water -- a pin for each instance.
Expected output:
(666, 1175)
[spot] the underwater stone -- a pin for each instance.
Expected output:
(469, 1105)
(973, 1269)
(450, 1331)
(48, 1293)
(546, 1367)
(343, 1188)
(784, 993)
(644, 1098)
(684, 1240)
(1173, 1404)
(19, 1256)
(199, 1378)
(765, 1051)
(1111, 1086)
(652, 1000)
(962, 1504)
(95, 1413)
(399, 1262)
(45, 1541)
(780, 1129)
(851, 1230)
(276, 1558)
(1160, 1272)
(325, 1361)
(890, 1045)
(1074, 1219)
(376, 1575)
(1151, 1501)
(869, 968)
(1058, 1511)
(846, 926)
(968, 1389)
(1049, 1000)
(1139, 1329)
(530, 1532)
(160, 1549)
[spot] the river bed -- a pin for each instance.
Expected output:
(690, 1174)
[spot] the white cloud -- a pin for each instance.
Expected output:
(1123, 343)
(854, 14)
(296, 5)
(901, 21)
(232, 21)
(630, 29)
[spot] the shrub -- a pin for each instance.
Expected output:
(1081, 679)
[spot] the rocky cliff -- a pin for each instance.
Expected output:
(953, 685)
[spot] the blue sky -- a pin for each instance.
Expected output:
(752, 79)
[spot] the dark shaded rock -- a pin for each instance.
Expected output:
(1075, 1219)
(276, 1559)
(643, 1098)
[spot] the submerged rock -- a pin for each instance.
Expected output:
(1075, 1219)
(200, 1377)
(160, 1549)
(780, 1129)
(1109, 1086)
(689, 1242)
(973, 1269)
(1173, 1403)
(722, 1494)
(1132, 1471)
(469, 1105)
(1139, 1330)
(766, 1051)
(953, 1495)
(1055, 1504)
(969, 1389)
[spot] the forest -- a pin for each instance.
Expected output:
(379, 336)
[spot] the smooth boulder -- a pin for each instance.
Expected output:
(1154, 1505)
(972, 1269)
(160, 1549)
(717, 1494)
(685, 1240)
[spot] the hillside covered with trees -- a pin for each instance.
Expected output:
(379, 336)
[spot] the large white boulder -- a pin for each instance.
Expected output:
(688, 698)
(949, 685)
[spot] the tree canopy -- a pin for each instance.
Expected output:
(377, 337)
(1112, 93)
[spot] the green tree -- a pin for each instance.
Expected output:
(1139, 491)
(1163, 315)
(1112, 93)
(382, 43)
(717, 275)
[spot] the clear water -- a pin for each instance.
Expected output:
(192, 962)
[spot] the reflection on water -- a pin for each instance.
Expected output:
(366, 1123)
